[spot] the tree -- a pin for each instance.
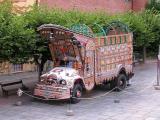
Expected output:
(142, 25)
(15, 36)
(5, 17)
(20, 41)
(154, 4)
(152, 19)
(40, 15)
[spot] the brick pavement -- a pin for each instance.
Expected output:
(138, 102)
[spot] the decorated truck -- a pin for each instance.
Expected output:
(83, 59)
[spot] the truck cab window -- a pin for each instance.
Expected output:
(64, 53)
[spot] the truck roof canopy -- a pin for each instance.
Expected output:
(52, 31)
(115, 28)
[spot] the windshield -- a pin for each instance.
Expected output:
(64, 53)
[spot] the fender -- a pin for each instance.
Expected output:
(79, 81)
(120, 68)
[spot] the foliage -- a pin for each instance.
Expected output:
(19, 39)
(5, 17)
(15, 37)
(154, 4)
(143, 24)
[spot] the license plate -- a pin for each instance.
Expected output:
(47, 94)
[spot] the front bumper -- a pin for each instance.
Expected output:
(52, 92)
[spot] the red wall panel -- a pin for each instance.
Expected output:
(139, 5)
(110, 6)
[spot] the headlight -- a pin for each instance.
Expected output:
(63, 82)
(41, 80)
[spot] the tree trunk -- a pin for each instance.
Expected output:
(144, 54)
(41, 66)
(39, 71)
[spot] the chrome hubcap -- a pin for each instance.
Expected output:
(121, 82)
(78, 93)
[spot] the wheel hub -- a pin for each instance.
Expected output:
(78, 93)
(121, 82)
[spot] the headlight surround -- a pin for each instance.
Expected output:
(63, 82)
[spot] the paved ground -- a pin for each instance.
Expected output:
(138, 102)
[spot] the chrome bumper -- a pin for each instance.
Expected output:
(52, 92)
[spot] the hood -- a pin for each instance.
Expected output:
(62, 72)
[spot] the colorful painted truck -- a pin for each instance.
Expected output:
(83, 60)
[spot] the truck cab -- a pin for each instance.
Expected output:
(68, 77)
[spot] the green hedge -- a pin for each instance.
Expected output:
(18, 34)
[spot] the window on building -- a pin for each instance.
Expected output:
(17, 67)
(19, 1)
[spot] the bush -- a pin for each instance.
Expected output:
(154, 4)
(18, 34)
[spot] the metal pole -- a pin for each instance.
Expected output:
(159, 50)
(158, 68)
(158, 72)
(157, 86)
(132, 5)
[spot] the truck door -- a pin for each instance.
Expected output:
(89, 71)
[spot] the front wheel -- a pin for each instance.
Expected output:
(76, 93)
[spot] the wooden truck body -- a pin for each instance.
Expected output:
(82, 61)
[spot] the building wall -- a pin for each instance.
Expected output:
(111, 6)
(4, 68)
(8, 68)
(20, 6)
(139, 5)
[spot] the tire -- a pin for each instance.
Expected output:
(120, 82)
(76, 93)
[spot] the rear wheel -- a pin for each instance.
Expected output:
(120, 82)
(76, 93)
